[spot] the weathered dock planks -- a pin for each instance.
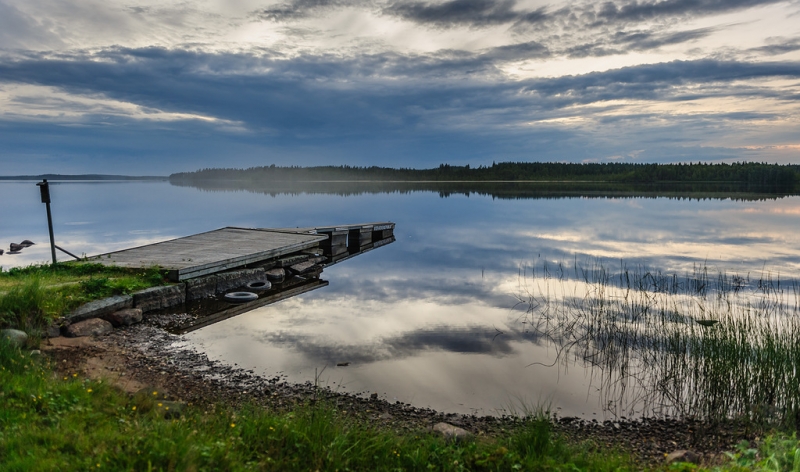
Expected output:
(232, 247)
(213, 251)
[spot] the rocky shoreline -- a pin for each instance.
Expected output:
(146, 354)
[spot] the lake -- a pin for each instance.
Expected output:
(445, 317)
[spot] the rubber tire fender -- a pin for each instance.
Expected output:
(259, 286)
(240, 297)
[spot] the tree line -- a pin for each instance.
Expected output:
(750, 173)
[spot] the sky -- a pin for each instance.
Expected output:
(154, 87)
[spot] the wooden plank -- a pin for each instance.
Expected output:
(212, 251)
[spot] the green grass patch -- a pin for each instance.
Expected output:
(31, 297)
(66, 423)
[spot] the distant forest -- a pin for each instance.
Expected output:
(773, 176)
(57, 177)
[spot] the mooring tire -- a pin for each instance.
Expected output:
(259, 286)
(240, 297)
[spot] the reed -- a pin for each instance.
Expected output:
(714, 346)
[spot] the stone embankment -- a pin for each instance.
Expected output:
(102, 316)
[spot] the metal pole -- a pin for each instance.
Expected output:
(50, 227)
(44, 188)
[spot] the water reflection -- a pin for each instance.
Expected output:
(433, 319)
(501, 190)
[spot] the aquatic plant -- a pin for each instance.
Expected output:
(715, 347)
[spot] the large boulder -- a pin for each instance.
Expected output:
(451, 432)
(682, 455)
(100, 308)
(14, 337)
(125, 317)
(91, 327)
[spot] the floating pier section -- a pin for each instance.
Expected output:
(234, 248)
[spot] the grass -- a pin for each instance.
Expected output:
(32, 297)
(715, 347)
(640, 331)
(67, 423)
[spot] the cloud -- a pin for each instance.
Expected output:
(20, 30)
(298, 9)
(391, 104)
(484, 13)
(778, 46)
(639, 11)
(469, 339)
(476, 13)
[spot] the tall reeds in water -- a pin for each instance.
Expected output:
(712, 347)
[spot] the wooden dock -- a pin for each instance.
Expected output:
(232, 247)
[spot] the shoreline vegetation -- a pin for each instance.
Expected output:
(511, 181)
(42, 407)
(33, 297)
(756, 175)
(66, 422)
(711, 346)
(785, 178)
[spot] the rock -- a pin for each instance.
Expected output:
(303, 267)
(35, 353)
(53, 330)
(292, 260)
(91, 327)
(156, 298)
(682, 455)
(449, 432)
(125, 317)
(385, 417)
(101, 308)
(14, 337)
(276, 275)
(373, 396)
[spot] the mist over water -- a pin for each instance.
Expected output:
(433, 319)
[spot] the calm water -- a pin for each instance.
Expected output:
(432, 319)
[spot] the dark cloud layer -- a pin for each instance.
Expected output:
(566, 21)
(445, 103)
(465, 12)
(309, 92)
(480, 13)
